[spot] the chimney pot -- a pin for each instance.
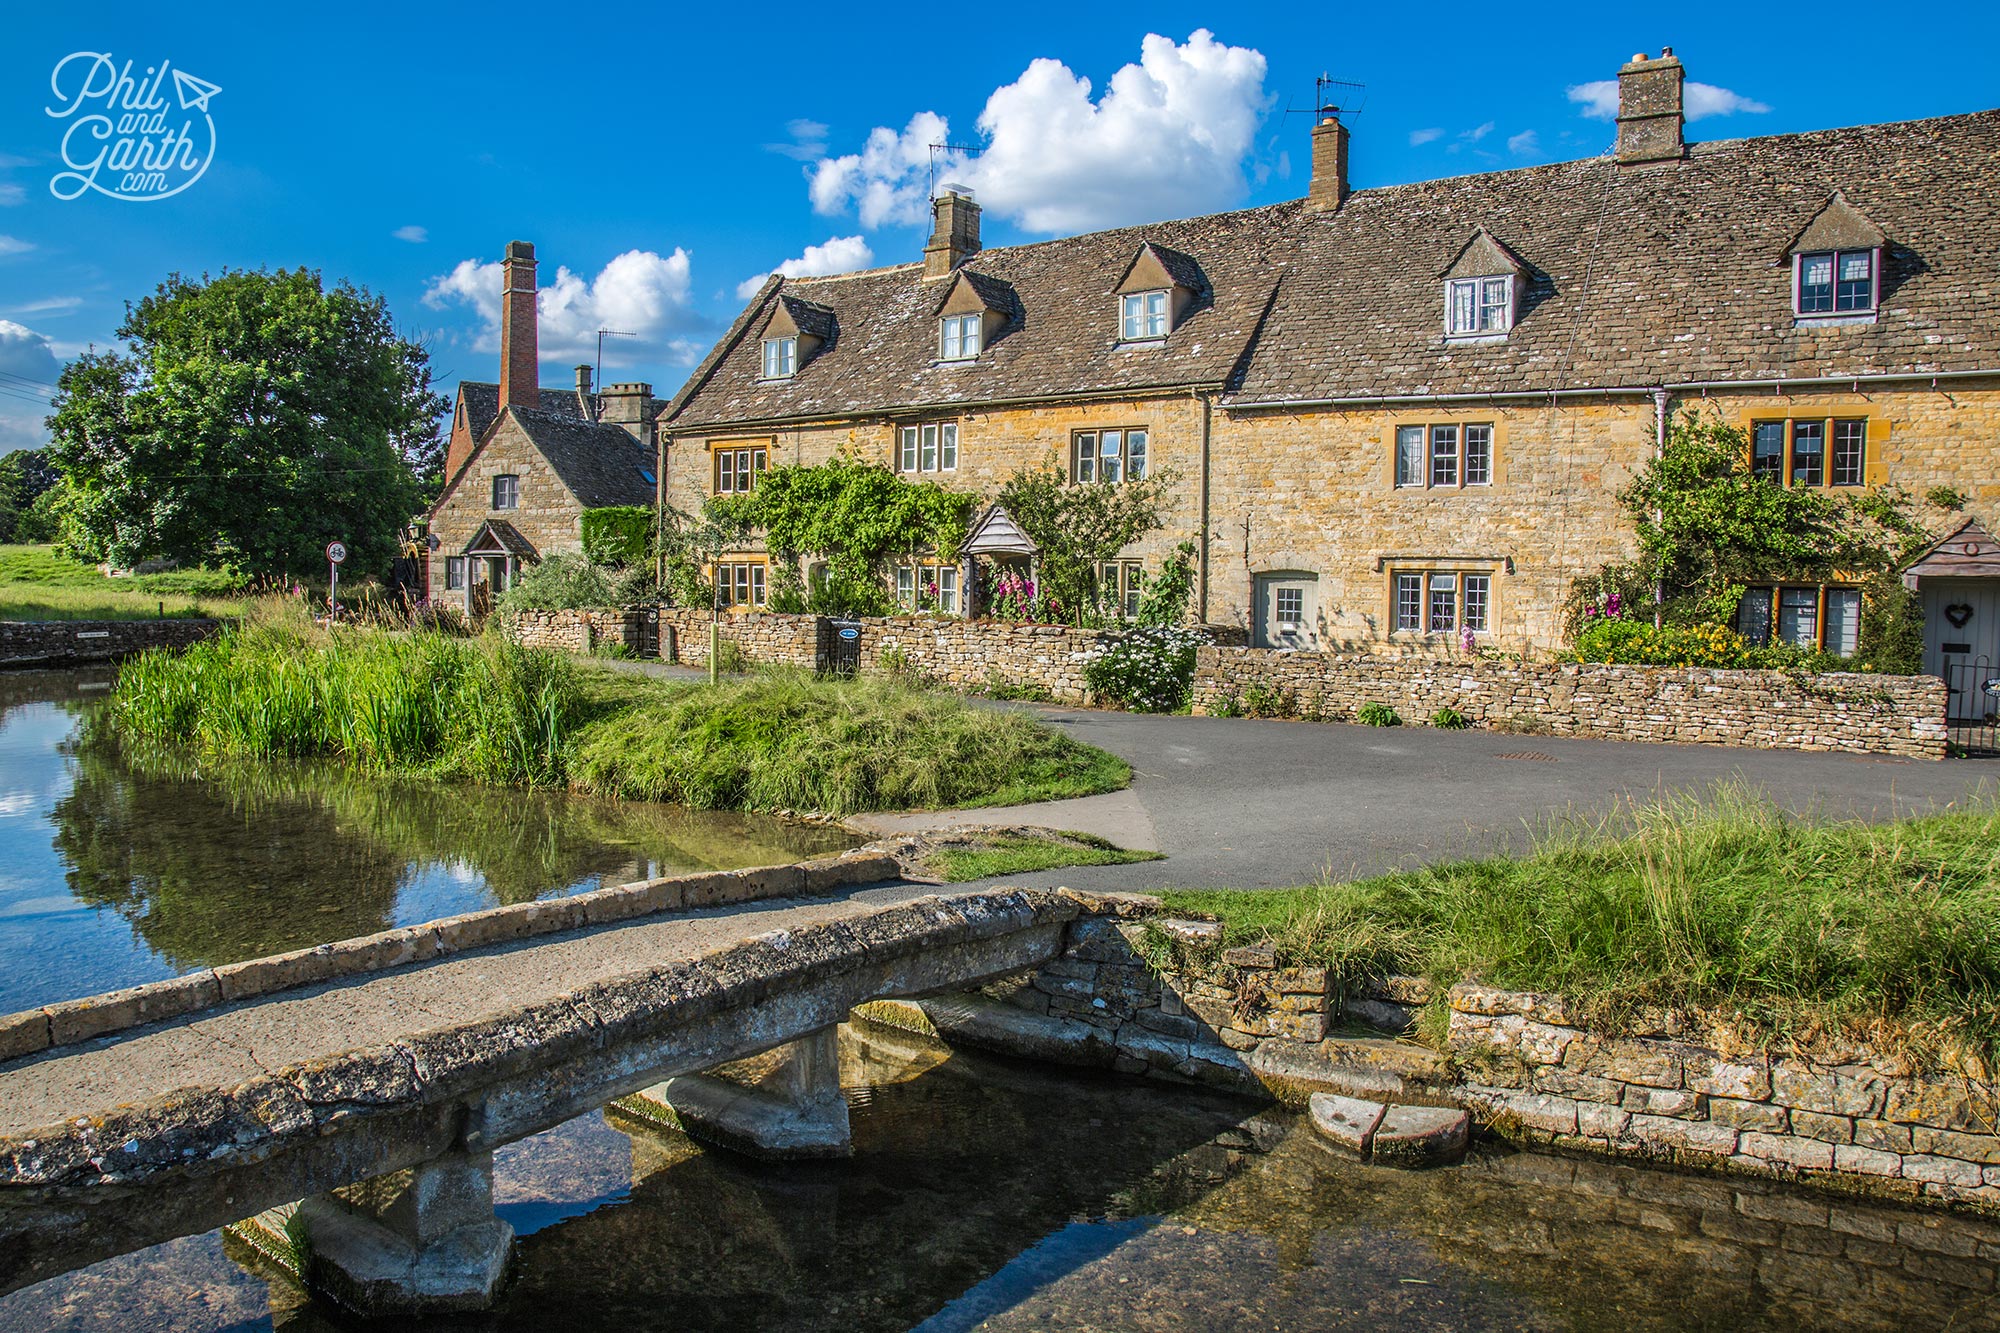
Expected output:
(1650, 119)
(520, 356)
(1328, 190)
(954, 232)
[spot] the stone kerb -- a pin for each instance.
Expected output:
(63, 642)
(1863, 714)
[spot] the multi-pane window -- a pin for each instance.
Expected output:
(507, 492)
(1810, 452)
(928, 588)
(737, 470)
(781, 358)
(1118, 585)
(1438, 602)
(928, 448)
(740, 583)
(454, 572)
(1479, 305)
(1836, 282)
(1805, 617)
(1290, 608)
(1142, 316)
(1108, 455)
(958, 337)
(1444, 455)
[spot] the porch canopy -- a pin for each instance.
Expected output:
(1969, 552)
(995, 533)
(496, 536)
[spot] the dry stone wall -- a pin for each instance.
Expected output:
(60, 642)
(638, 632)
(1862, 714)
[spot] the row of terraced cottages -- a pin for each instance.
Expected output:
(1398, 414)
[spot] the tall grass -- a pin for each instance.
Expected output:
(1722, 905)
(278, 686)
(782, 740)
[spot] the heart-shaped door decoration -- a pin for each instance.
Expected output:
(1958, 613)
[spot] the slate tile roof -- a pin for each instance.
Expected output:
(499, 534)
(599, 462)
(1676, 273)
(482, 403)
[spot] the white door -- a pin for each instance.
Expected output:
(1286, 610)
(1962, 642)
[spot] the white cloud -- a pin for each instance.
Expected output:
(14, 245)
(1699, 100)
(808, 141)
(1476, 133)
(1168, 138)
(414, 234)
(639, 292)
(840, 254)
(1526, 143)
(11, 194)
(1418, 138)
(28, 355)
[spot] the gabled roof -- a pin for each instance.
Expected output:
(1484, 256)
(970, 290)
(1967, 552)
(497, 534)
(482, 403)
(1838, 226)
(996, 533)
(1155, 266)
(600, 463)
(795, 315)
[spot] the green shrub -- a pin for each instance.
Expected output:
(1148, 670)
(999, 687)
(1377, 715)
(1263, 700)
(618, 534)
(563, 582)
(1229, 705)
(1449, 719)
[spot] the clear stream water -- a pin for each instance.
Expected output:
(983, 1193)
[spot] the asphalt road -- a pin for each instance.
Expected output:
(1249, 803)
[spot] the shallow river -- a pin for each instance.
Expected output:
(983, 1193)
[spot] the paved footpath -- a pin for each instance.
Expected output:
(1250, 803)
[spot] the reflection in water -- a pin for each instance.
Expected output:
(119, 866)
(987, 1194)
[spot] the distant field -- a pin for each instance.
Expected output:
(37, 584)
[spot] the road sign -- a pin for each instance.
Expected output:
(336, 552)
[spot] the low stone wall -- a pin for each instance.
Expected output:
(1527, 1066)
(66, 642)
(576, 631)
(1858, 714)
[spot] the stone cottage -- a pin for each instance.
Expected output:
(1401, 416)
(524, 462)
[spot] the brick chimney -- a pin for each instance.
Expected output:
(1649, 110)
(954, 233)
(520, 353)
(629, 405)
(1328, 190)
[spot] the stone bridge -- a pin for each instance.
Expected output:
(354, 1119)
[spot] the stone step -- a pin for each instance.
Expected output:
(1390, 1135)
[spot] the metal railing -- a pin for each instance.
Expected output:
(1972, 714)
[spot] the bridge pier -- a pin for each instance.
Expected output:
(782, 1105)
(422, 1240)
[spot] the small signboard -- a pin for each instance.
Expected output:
(336, 552)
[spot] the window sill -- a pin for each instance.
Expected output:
(1836, 320)
(777, 379)
(1139, 344)
(943, 361)
(1471, 339)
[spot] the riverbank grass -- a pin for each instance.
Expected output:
(37, 584)
(990, 855)
(1724, 905)
(486, 710)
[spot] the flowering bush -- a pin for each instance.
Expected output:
(1640, 643)
(1014, 596)
(1150, 670)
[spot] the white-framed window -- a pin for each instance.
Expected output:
(781, 358)
(959, 337)
(1441, 602)
(1804, 616)
(1409, 455)
(1475, 306)
(931, 447)
(1835, 282)
(927, 588)
(737, 470)
(507, 492)
(1142, 316)
(1119, 583)
(454, 573)
(740, 583)
(1444, 456)
(1109, 455)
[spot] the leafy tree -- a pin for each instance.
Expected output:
(857, 518)
(1077, 527)
(25, 476)
(254, 417)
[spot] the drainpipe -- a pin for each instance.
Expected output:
(1659, 451)
(1201, 551)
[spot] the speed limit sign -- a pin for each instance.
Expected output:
(336, 552)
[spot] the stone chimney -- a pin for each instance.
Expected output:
(1328, 190)
(1649, 110)
(584, 402)
(629, 405)
(954, 233)
(520, 352)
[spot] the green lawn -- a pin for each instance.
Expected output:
(984, 857)
(37, 584)
(1725, 906)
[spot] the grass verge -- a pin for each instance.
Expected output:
(486, 710)
(1769, 925)
(986, 856)
(37, 584)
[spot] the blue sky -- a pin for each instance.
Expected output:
(665, 156)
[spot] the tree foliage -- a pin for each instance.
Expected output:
(253, 418)
(26, 475)
(618, 534)
(855, 517)
(1077, 527)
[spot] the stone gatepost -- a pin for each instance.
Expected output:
(784, 1104)
(423, 1240)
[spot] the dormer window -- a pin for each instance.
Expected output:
(959, 336)
(781, 358)
(1836, 282)
(1143, 316)
(1479, 305)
